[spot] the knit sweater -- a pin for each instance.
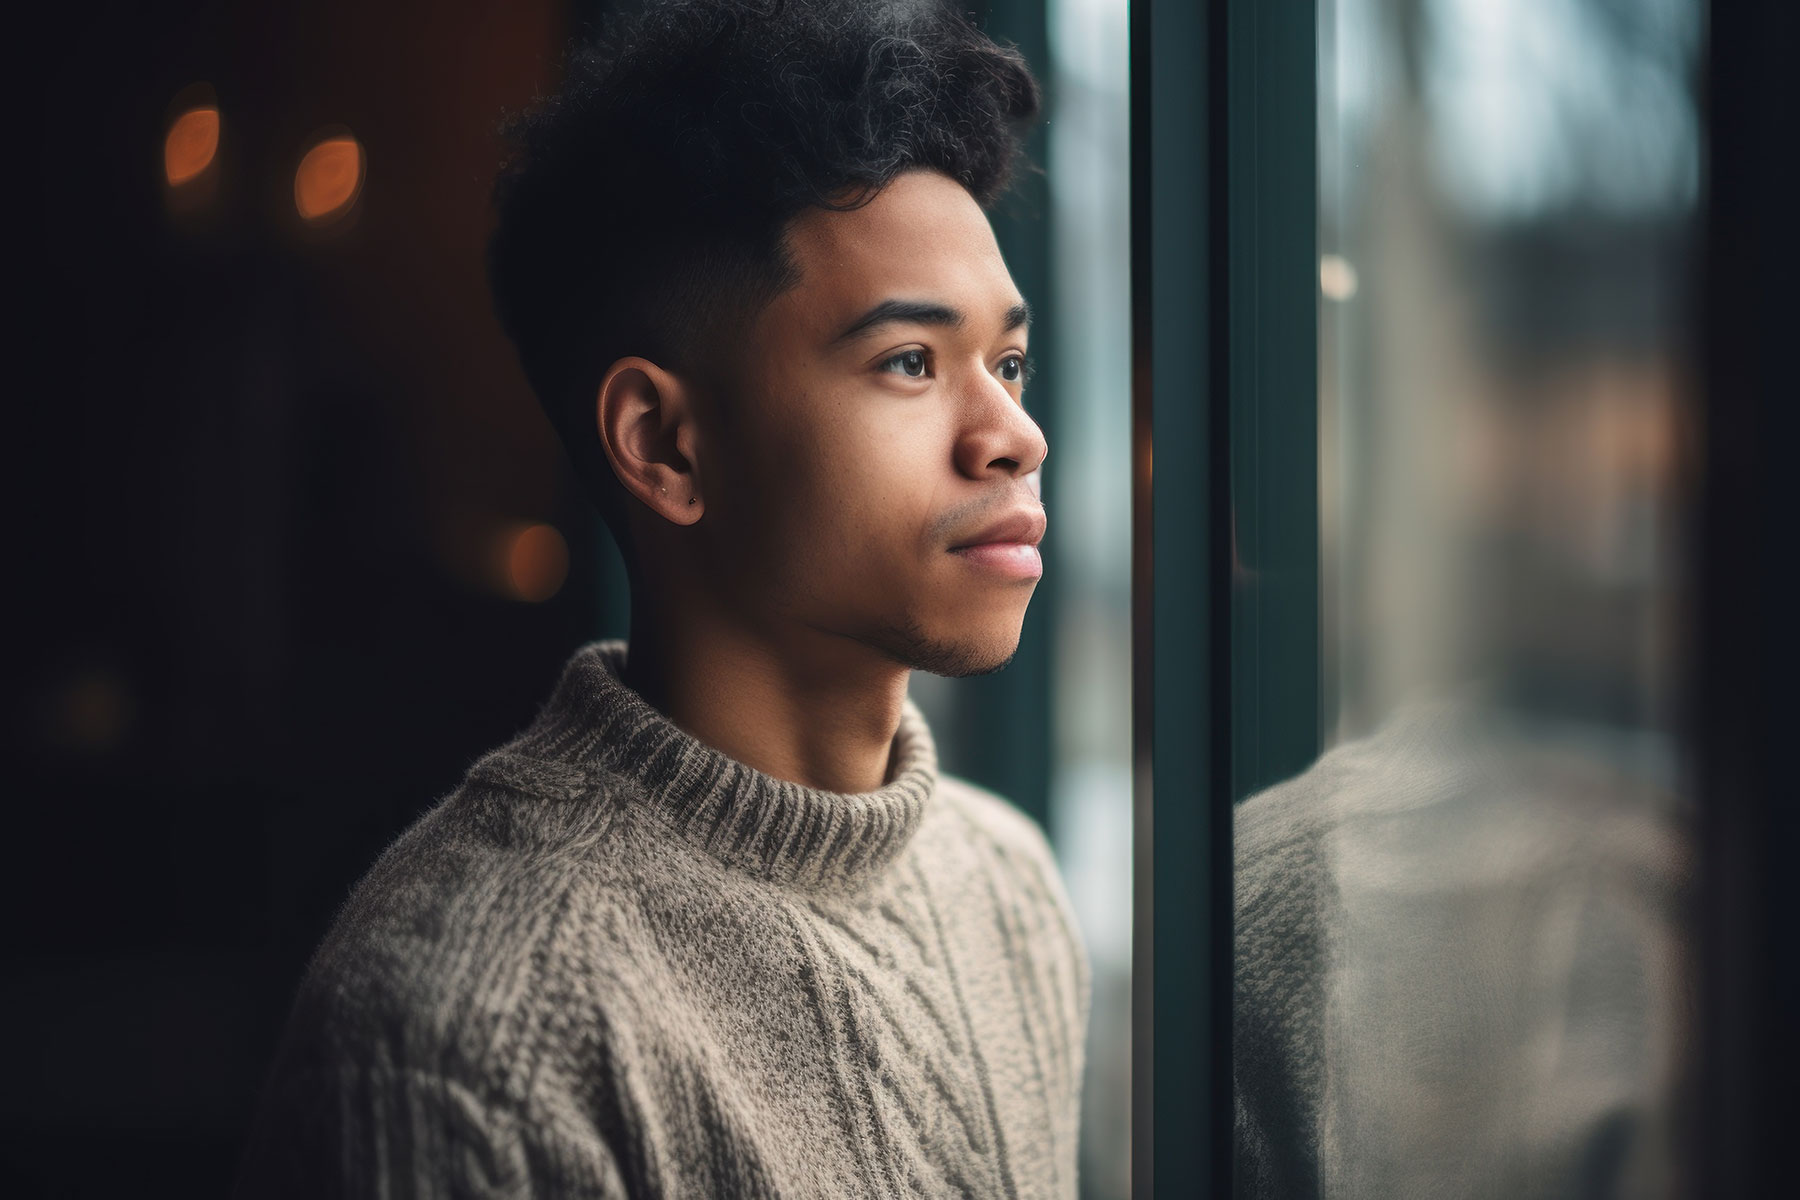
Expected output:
(616, 962)
(1460, 967)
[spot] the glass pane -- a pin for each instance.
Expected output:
(1090, 797)
(1462, 950)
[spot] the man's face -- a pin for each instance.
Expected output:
(863, 450)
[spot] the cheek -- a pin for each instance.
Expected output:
(864, 520)
(837, 498)
(862, 533)
(791, 514)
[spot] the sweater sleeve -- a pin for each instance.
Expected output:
(405, 1133)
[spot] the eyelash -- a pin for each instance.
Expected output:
(1027, 367)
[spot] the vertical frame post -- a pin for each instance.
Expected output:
(1746, 706)
(1266, 260)
(1182, 943)
(1225, 521)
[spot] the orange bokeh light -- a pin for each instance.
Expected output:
(328, 179)
(537, 562)
(192, 142)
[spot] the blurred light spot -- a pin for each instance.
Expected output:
(328, 179)
(192, 142)
(90, 711)
(1337, 278)
(537, 562)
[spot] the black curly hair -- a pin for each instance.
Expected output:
(643, 209)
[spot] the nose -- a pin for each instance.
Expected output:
(998, 435)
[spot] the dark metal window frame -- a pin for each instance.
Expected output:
(1225, 521)
(1747, 646)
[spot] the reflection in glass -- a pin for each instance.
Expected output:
(1461, 941)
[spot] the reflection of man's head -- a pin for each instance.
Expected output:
(1569, 453)
(745, 260)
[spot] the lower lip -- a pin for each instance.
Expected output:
(1017, 559)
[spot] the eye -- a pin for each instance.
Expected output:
(911, 364)
(1014, 368)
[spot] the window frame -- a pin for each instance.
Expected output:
(1226, 640)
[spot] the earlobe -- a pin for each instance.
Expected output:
(645, 419)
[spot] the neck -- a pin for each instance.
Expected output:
(814, 709)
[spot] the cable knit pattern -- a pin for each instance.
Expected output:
(616, 962)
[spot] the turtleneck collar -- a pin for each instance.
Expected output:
(772, 828)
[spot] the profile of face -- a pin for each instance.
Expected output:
(871, 475)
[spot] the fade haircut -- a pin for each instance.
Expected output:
(643, 208)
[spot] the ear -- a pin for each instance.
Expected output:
(646, 424)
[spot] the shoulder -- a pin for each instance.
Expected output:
(475, 934)
(1277, 836)
(1006, 836)
(1281, 882)
(1284, 886)
(1017, 855)
(996, 820)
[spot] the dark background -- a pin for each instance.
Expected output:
(264, 475)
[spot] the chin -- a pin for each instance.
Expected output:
(951, 654)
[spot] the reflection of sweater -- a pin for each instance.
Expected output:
(616, 962)
(1459, 969)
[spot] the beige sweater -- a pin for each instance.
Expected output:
(1460, 967)
(615, 962)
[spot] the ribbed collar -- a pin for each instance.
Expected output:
(769, 827)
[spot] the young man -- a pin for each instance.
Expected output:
(715, 925)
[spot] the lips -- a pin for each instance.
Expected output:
(1022, 526)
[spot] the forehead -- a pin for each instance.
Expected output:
(923, 237)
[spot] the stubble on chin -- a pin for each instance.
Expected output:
(909, 645)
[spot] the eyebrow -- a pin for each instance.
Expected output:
(921, 312)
